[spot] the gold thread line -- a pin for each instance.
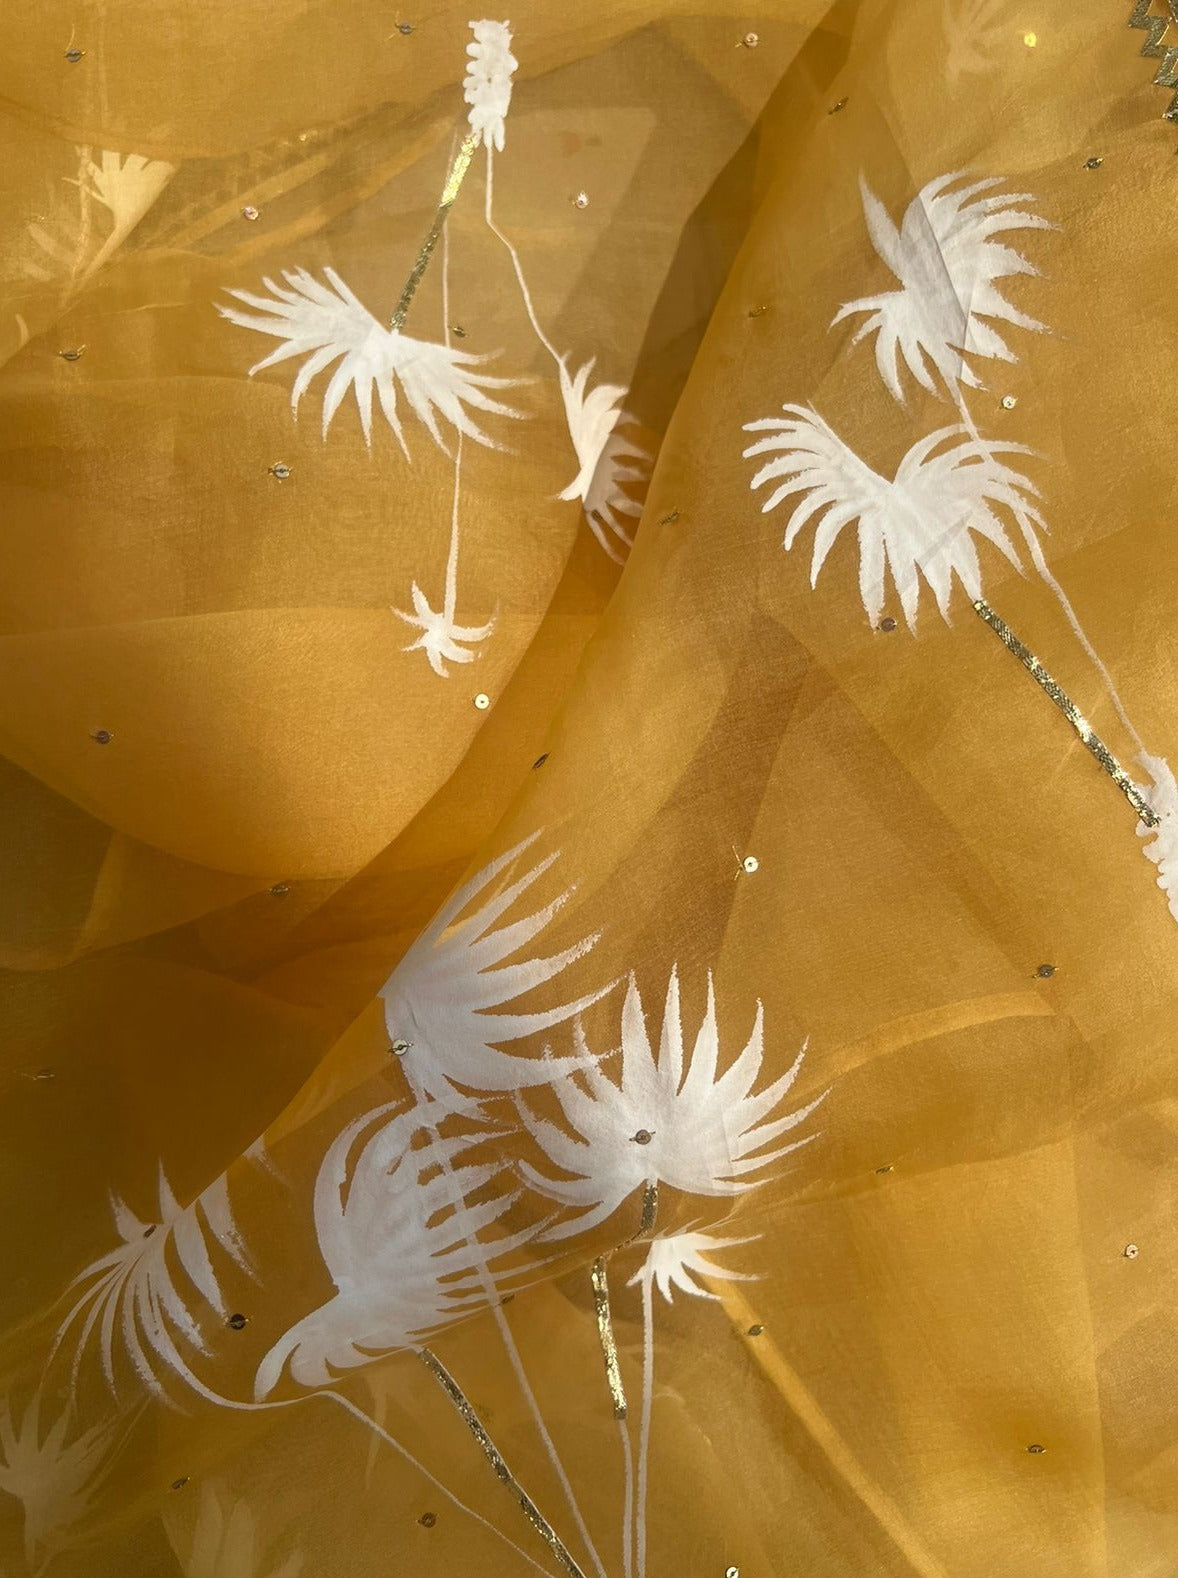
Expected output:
(1155, 48)
(529, 1508)
(650, 1211)
(450, 191)
(605, 1332)
(1071, 712)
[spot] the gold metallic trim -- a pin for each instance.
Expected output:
(477, 1429)
(605, 1331)
(1155, 49)
(1071, 712)
(450, 191)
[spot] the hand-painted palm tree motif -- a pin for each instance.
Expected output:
(487, 84)
(445, 996)
(673, 1259)
(130, 1296)
(125, 185)
(948, 265)
(397, 1240)
(225, 1544)
(920, 525)
(1162, 841)
(606, 456)
(442, 639)
(328, 323)
(54, 1479)
(974, 30)
(671, 1120)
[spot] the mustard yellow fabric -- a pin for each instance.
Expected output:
(232, 800)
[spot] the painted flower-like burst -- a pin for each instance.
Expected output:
(919, 525)
(328, 323)
(672, 1119)
(1161, 844)
(401, 1246)
(487, 84)
(605, 456)
(54, 1480)
(948, 265)
(444, 995)
(441, 638)
(673, 1260)
(224, 1542)
(131, 1295)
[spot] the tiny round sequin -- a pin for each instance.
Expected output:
(482, 701)
(237, 1322)
(44, 1074)
(756, 1329)
(102, 736)
(400, 1047)
(750, 863)
(1009, 402)
(250, 212)
(428, 1519)
(581, 200)
(540, 760)
(669, 520)
(73, 354)
(750, 41)
(1036, 1449)
(840, 104)
(1131, 1251)
(643, 1137)
(1030, 39)
(405, 28)
(887, 625)
(179, 1484)
(73, 54)
(279, 890)
(458, 331)
(882, 1170)
(758, 312)
(1045, 972)
(280, 469)
(1094, 163)
(732, 1572)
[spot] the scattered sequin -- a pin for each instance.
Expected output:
(841, 104)
(428, 1519)
(750, 41)
(887, 625)
(1009, 402)
(882, 1170)
(1131, 1251)
(732, 1572)
(581, 200)
(482, 701)
(405, 28)
(74, 354)
(1030, 39)
(757, 312)
(281, 470)
(1094, 163)
(458, 331)
(1036, 1448)
(669, 520)
(250, 212)
(750, 863)
(400, 1047)
(279, 890)
(44, 1074)
(540, 760)
(1045, 972)
(643, 1137)
(179, 1484)
(102, 736)
(74, 54)
(237, 1322)
(756, 1329)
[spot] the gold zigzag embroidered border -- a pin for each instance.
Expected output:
(1155, 49)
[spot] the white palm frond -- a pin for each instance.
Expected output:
(328, 323)
(948, 265)
(973, 33)
(1161, 844)
(441, 639)
(674, 1258)
(673, 1119)
(125, 185)
(487, 84)
(224, 1543)
(54, 1479)
(919, 525)
(400, 1238)
(448, 994)
(605, 456)
(130, 1296)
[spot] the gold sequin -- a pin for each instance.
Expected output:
(454, 180)
(491, 1452)
(1071, 712)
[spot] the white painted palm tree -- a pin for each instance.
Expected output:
(125, 185)
(948, 264)
(442, 638)
(225, 1542)
(609, 461)
(131, 1300)
(53, 1478)
(324, 321)
(918, 526)
(449, 996)
(674, 1259)
(488, 80)
(673, 1118)
(975, 31)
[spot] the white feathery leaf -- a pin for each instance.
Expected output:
(441, 638)
(487, 85)
(1161, 842)
(53, 1479)
(606, 458)
(673, 1257)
